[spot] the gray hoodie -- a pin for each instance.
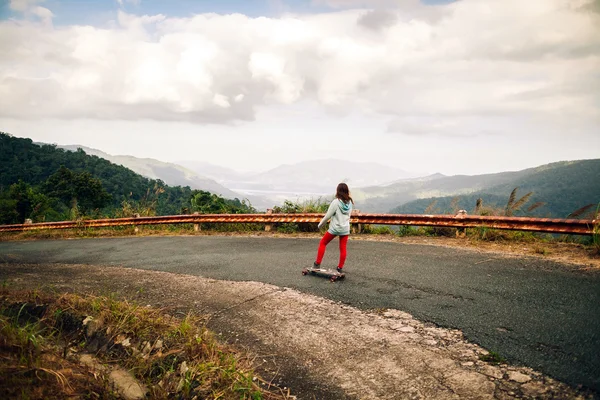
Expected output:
(339, 212)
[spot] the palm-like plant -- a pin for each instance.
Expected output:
(513, 205)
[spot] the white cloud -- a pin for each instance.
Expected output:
(134, 2)
(43, 14)
(23, 5)
(426, 69)
(221, 100)
(30, 9)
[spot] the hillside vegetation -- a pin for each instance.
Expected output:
(46, 183)
(563, 187)
(171, 174)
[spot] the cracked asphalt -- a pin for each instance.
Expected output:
(531, 311)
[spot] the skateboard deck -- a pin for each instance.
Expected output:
(325, 273)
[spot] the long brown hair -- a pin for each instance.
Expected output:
(343, 193)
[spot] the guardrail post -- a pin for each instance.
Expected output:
(269, 226)
(356, 228)
(461, 232)
(196, 226)
(136, 229)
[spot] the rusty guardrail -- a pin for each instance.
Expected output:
(549, 225)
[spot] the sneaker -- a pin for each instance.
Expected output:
(316, 266)
(339, 270)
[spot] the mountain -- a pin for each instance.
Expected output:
(562, 186)
(43, 182)
(385, 197)
(176, 175)
(33, 164)
(317, 178)
(216, 172)
(171, 174)
(308, 179)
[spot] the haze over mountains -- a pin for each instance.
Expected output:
(171, 174)
(309, 179)
(562, 186)
(302, 180)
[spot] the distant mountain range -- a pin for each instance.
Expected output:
(563, 186)
(171, 174)
(324, 175)
(308, 179)
(212, 171)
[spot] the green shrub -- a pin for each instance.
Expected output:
(377, 229)
(319, 205)
(406, 230)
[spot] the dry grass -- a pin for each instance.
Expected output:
(125, 231)
(43, 335)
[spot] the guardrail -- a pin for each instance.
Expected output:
(549, 225)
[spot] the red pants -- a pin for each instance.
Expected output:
(325, 241)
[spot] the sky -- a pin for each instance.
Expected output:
(456, 87)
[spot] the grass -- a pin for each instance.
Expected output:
(377, 229)
(596, 234)
(147, 230)
(538, 249)
(30, 365)
(482, 233)
(43, 335)
(493, 358)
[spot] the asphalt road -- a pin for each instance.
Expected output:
(532, 312)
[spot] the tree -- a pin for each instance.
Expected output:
(8, 210)
(209, 203)
(77, 190)
(22, 202)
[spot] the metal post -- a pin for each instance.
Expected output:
(461, 232)
(196, 226)
(356, 228)
(269, 226)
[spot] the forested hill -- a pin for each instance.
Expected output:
(562, 187)
(53, 178)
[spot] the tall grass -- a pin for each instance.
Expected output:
(596, 235)
(172, 357)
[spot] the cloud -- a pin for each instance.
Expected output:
(134, 2)
(413, 64)
(23, 5)
(423, 125)
(374, 4)
(377, 19)
(30, 9)
(221, 101)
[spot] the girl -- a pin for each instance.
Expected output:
(339, 212)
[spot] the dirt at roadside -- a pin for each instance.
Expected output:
(315, 347)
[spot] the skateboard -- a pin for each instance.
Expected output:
(326, 273)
